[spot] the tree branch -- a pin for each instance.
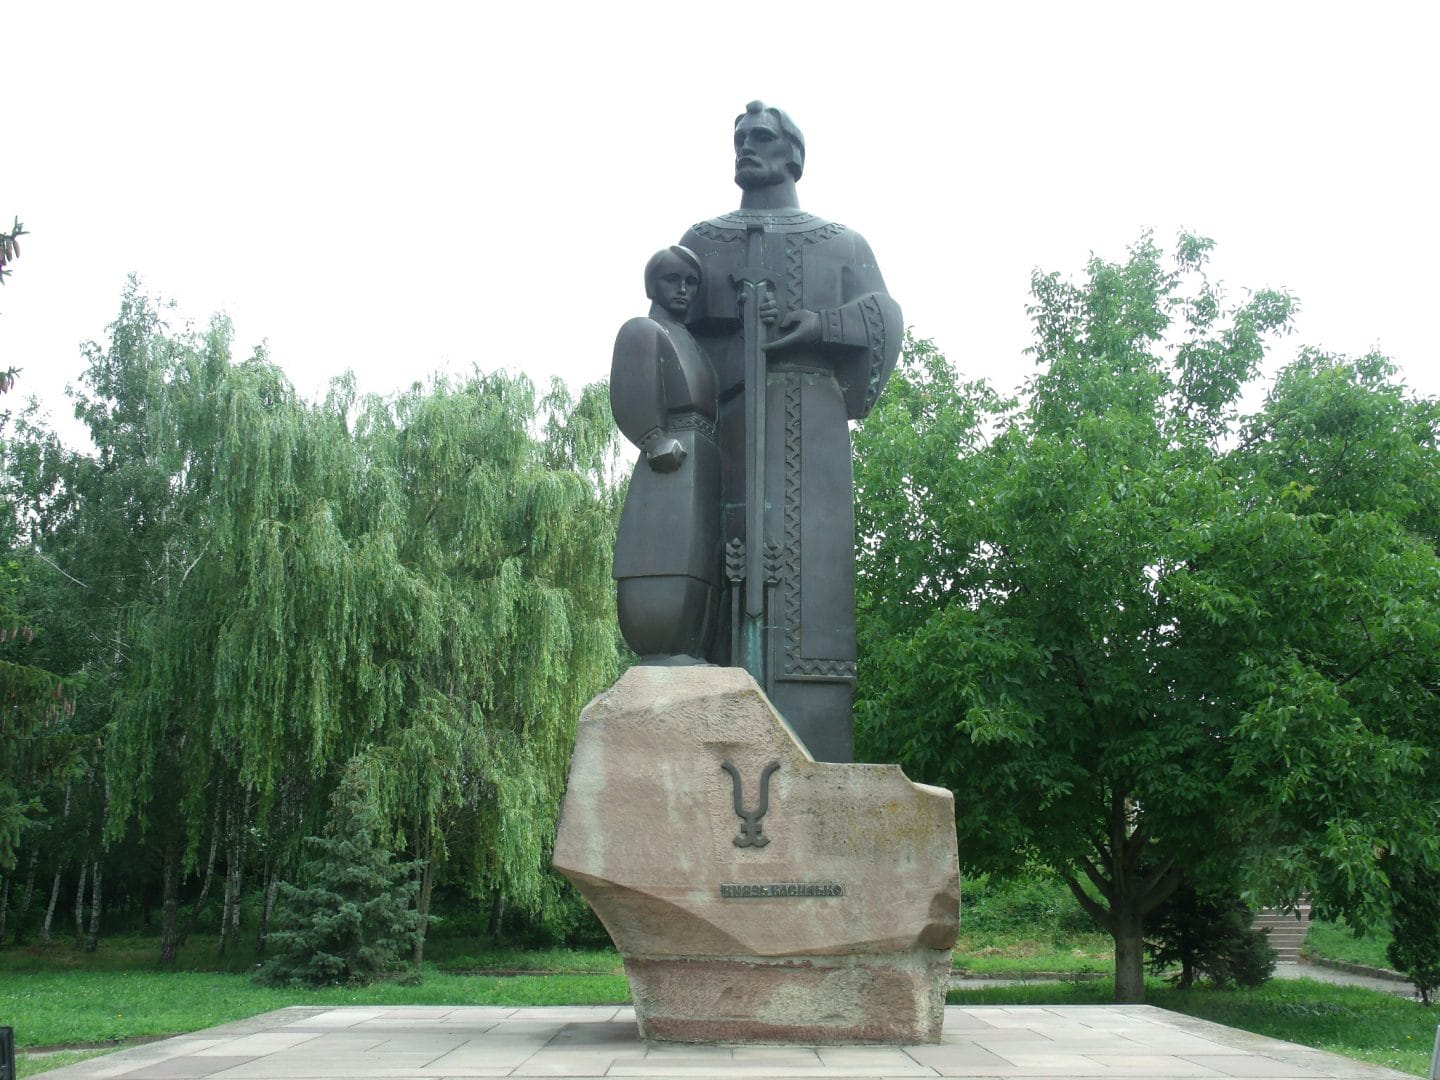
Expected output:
(194, 564)
(1107, 888)
(1086, 901)
(51, 562)
(1158, 889)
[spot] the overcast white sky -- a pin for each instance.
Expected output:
(399, 189)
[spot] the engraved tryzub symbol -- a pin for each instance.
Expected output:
(750, 827)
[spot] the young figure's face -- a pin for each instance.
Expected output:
(675, 285)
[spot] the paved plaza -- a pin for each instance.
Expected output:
(436, 1042)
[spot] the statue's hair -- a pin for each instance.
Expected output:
(652, 268)
(796, 165)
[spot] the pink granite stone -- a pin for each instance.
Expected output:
(838, 928)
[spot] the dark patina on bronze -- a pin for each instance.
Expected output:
(744, 554)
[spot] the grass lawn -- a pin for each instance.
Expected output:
(1336, 941)
(53, 1008)
(72, 1006)
(1030, 925)
(57, 995)
(1015, 953)
(60, 996)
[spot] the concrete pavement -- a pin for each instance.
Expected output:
(437, 1042)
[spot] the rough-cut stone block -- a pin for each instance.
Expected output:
(835, 927)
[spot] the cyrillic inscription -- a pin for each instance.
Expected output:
(781, 888)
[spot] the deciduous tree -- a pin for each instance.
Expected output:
(1138, 637)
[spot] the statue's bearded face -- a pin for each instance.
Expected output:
(762, 152)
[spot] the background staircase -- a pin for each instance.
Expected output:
(1286, 931)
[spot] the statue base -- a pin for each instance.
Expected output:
(755, 894)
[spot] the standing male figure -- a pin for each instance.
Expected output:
(793, 313)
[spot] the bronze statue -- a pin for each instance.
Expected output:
(792, 313)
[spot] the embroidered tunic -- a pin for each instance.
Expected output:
(812, 391)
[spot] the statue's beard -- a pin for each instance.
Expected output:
(755, 177)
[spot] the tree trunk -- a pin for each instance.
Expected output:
(199, 908)
(50, 909)
(236, 894)
(1187, 973)
(1129, 934)
(272, 890)
(5, 909)
(80, 907)
(170, 904)
(230, 908)
(55, 887)
(234, 874)
(224, 914)
(22, 911)
(1131, 891)
(93, 940)
(422, 908)
(270, 880)
(497, 914)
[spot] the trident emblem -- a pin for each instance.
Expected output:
(750, 827)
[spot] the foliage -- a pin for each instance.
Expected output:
(1036, 902)
(38, 747)
(1206, 930)
(256, 590)
(1139, 637)
(10, 251)
(1026, 924)
(27, 693)
(1415, 924)
(352, 921)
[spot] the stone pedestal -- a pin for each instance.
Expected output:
(756, 894)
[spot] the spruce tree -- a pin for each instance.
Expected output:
(352, 921)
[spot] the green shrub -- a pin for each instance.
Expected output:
(1039, 904)
(1415, 924)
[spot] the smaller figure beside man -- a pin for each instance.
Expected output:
(662, 392)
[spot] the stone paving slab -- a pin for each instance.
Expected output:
(454, 1042)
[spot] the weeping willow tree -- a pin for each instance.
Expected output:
(275, 588)
(420, 584)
